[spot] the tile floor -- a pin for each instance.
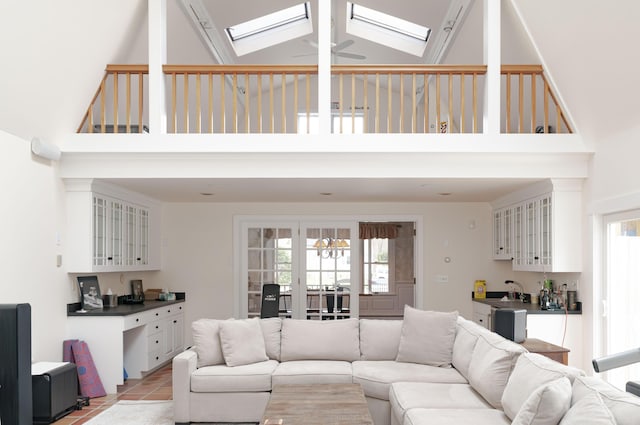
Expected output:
(155, 386)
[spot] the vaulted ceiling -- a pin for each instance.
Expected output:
(54, 53)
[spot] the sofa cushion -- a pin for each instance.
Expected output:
(624, 407)
(492, 360)
(225, 379)
(242, 342)
(466, 337)
(427, 337)
(313, 372)
(591, 410)
(271, 331)
(377, 376)
(206, 339)
(379, 339)
(532, 371)
(546, 405)
(410, 395)
(320, 340)
(455, 417)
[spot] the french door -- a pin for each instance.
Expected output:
(314, 263)
(621, 291)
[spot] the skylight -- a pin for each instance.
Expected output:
(386, 29)
(268, 30)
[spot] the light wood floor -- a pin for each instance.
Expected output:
(155, 386)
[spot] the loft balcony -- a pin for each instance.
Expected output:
(426, 100)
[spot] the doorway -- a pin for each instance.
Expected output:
(319, 265)
(313, 263)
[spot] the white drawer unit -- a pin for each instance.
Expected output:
(482, 314)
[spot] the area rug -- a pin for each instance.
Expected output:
(136, 412)
(141, 412)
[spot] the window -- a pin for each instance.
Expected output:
(387, 30)
(375, 266)
(621, 318)
(271, 29)
(349, 125)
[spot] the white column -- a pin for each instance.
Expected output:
(324, 66)
(157, 58)
(491, 118)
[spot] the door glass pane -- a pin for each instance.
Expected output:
(622, 321)
(269, 260)
(328, 272)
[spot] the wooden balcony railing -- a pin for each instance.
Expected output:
(121, 94)
(365, 99)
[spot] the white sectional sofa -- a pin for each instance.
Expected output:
(430, 368)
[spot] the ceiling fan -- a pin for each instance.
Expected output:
(336, 49)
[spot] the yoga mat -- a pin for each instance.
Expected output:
(76, 351)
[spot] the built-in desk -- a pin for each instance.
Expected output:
(554, 352)
(135, 337)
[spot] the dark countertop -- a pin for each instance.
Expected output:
(493, 299)
(121, 309)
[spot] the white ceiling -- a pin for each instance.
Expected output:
(429, 13)
(323, 190)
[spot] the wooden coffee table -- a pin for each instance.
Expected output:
(317, 404)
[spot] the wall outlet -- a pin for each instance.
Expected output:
(442, 278)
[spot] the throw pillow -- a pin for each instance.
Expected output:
(206, 339)
(271, 331)
(546, 405)
(589, 410)
(379, 339)
(427, 337)
(242, 342)
(531, 371)
(625, 407)
(320, 340)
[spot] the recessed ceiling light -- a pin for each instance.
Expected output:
(206, 193)
(444, 193)
(326, 193)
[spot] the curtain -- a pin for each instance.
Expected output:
(378, 230)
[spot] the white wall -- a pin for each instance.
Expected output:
(31, 215)
(198, 250)
(613, 186)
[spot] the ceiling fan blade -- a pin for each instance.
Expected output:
(343, 45)
(349, 55)
(304, 54)
(311, 43)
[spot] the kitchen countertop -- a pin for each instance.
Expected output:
(493, 299)
(121, 309)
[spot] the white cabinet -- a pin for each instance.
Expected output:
(543, 228)
(165, 335)
(503, 234)
(482, 314)
(138, 342)
(110, 229)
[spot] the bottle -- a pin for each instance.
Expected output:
(541, 294)
(545, 299)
